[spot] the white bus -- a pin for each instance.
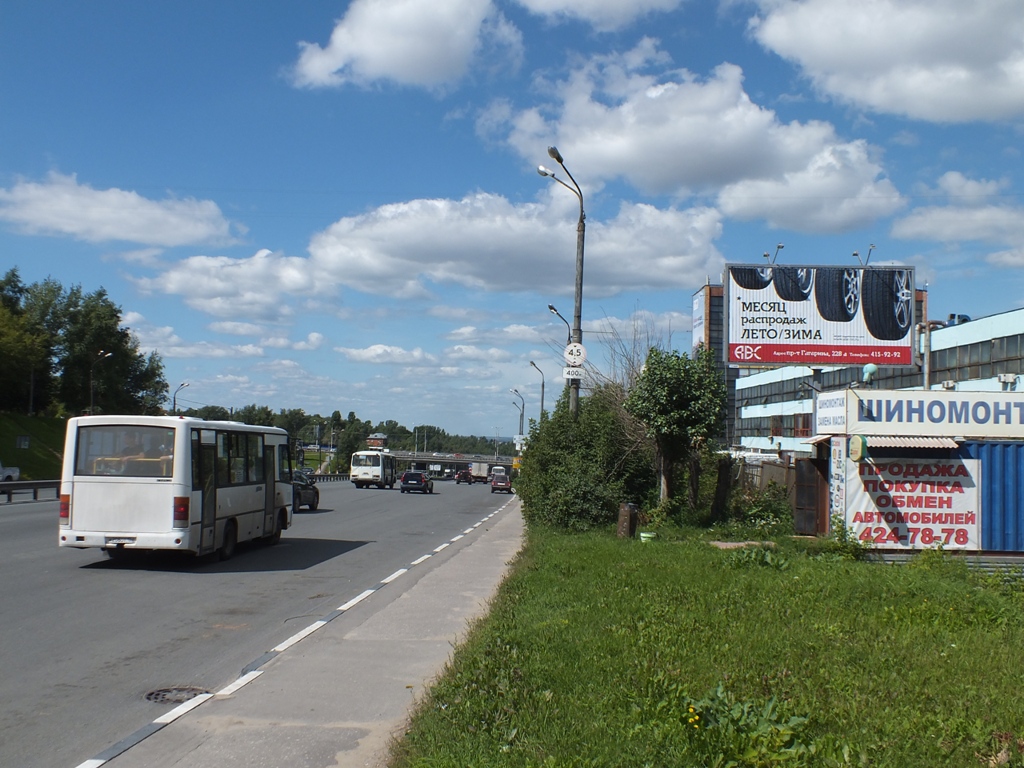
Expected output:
(372, 468)
(174, 483)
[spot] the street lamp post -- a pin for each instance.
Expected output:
(577, 315)
(568, 330)
(174, 399)
(541, 389)
(101, 355)
(522, 408)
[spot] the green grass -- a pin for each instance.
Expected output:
(42, 459)
(602, 652)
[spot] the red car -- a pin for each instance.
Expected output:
(501, 483)
(463, 476)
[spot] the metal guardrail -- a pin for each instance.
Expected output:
(8, 490)
(330, 478)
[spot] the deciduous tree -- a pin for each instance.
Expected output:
(681, 401)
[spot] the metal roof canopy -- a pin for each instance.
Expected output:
(885, 441)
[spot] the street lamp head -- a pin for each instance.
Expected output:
(554, 155)
(552, 310)
(545, 171)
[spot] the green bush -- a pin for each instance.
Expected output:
(576, 472)
(840, 543)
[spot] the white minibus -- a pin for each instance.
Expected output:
(372, 468)
(172, 483)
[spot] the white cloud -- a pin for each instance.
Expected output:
(411, 42)
(62, 206)
(840, 189)
(384, 354)
(253, 287)
(970, 215)
(165, 341)
(313, 341)
(603, 15)
(644, 323)
(948, 224)
(965, 191)
(401, 250)
(235, 328)
(1013, 258)
(939, 60)
(676, 133)
(473, 353)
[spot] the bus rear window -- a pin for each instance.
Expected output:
(124, 449)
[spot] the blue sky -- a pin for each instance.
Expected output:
(335, 206)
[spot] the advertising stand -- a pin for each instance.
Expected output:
(915, 469)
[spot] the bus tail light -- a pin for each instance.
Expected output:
(181, 505)
(65, 509)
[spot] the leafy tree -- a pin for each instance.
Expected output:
(681, 401)
(99, 360)
(259, 415)
(292, 420)
(210, 413)
(24, 354)
(12, 291)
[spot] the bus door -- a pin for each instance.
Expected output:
(270, 496)
(204, 452)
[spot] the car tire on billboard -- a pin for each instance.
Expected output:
(888, 303)
(793, 284)
(837, 293)
(752, 278)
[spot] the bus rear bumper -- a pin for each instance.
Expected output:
(173, 540)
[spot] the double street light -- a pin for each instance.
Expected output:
(576, 332)
(541, 388)
(522, 408)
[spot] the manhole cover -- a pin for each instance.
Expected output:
(175, 695)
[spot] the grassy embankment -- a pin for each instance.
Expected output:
(607, 652)
(42, 459)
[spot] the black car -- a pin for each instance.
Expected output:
(463, 476)
(304, 492)
(417, 481)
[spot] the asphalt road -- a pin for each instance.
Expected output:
(83, 639)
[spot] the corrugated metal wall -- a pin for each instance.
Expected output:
(1002, 493)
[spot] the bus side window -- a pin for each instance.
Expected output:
(255, 458)
(284, 464)
(223, 476)
(196, 475)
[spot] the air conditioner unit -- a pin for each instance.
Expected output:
(1007, 378)
(949, 384)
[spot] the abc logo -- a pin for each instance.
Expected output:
(746, 352)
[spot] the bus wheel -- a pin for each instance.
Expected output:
(275, 537)
(230, 543)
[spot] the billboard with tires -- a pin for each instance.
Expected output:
(819, 315)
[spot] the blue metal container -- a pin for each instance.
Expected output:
(1002, 493)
